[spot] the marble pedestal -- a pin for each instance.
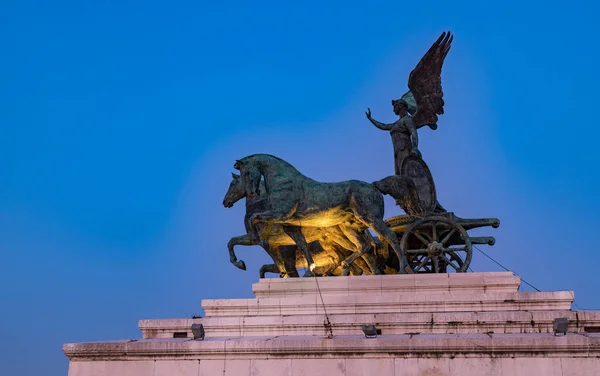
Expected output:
(430, 325)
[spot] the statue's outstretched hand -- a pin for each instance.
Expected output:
(368, 113)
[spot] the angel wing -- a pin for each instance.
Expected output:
(425, 83)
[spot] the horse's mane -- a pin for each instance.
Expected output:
(263, 155)
(261, 187)
(269, 156)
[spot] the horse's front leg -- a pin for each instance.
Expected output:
(239, 240)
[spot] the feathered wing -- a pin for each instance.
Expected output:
(425, 82)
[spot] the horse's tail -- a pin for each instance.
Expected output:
(403, 190)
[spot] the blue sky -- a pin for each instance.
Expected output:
(120, 123)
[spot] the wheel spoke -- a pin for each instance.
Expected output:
(421, 238)
(449, 262)
(439, 236)
(416, 251)
(422, 264)
(445, 240)
(456, 257)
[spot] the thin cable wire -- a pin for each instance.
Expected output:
(505, 268)
(327, 322)
(522, 279)
(463, 261)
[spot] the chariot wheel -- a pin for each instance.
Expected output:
(436, 245)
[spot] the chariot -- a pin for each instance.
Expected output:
(433, 240)
(339, 216)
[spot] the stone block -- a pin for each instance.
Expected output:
(176, 367)
(422, 367)
(322, 366)
(212, 367)
(370, 366)
(528, 366)
(130, 368)
(580, 366)
(406, 367)
(271, 367)
(476, 366)
(87, 368)
(364, 285)
(237, 367)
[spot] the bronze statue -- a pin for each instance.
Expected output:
(424, 101)
(300, 221)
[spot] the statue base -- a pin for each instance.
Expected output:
(436, 324)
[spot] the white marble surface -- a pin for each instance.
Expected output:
(400, 366)
(452, 292)
(391, 303)
(381, 284)
(436, 325)
(390, 323)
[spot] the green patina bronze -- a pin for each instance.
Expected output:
(325, 227)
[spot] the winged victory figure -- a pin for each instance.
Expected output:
(419, 107)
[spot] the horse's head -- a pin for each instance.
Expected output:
(250, 175)
(235, 192)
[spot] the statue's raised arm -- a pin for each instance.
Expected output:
(378, 124)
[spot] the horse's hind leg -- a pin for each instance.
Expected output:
(273, 252)
(384, 232)
(295, 233)
(354, 269)
(369, 256)
(329, 268)
(269, 268)
(288, 254)
(362, 241)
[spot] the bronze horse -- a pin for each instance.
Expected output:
(327, 246)
(297, 202)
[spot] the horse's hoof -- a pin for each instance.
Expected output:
(345, 271)
(406, 270)
(240, 264)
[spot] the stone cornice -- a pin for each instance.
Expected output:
(515, 322)
(391, 303)
(501, 345)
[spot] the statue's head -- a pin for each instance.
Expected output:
(400, 107)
